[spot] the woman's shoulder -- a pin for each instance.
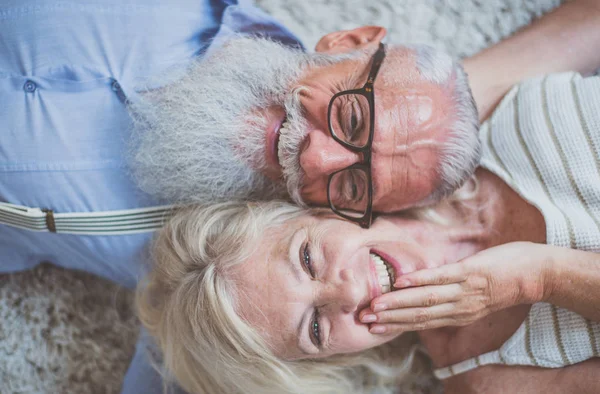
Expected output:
(553, 87)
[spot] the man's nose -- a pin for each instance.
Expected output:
(323, 155)
(346, 294)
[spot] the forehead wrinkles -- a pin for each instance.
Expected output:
(399, 68)
(389, 118)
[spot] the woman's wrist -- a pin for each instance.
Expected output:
(551, 267)
(539, 282)
(560, 267)
(572, 281)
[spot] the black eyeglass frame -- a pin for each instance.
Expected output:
(366, 91)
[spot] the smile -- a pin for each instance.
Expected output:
(282, 129)
(385, 273)
(274, 132)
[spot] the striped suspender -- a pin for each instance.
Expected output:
(129, 221)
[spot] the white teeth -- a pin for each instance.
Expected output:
(385, 273)
(283, 127)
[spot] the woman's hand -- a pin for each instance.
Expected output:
(461, 293)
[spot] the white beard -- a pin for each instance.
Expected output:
(200, 138)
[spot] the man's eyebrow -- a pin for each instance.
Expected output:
(358, 76)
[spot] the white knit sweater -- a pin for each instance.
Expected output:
(543, 140)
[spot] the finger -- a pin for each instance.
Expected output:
(417, 296)
(391, 328)
(367, 316)
(416, 315)
(450, 273)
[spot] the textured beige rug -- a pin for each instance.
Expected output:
(68, 332)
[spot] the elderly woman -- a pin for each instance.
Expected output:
(266, 299)
(248, 298)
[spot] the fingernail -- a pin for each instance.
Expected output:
(379, 307)
(402, 283)
(368, 318)
(377, 330)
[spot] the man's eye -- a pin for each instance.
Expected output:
(354, 122)
(352, 187)
(354, 193)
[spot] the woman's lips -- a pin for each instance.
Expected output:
(391, 261)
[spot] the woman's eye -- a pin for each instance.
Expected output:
(315, 329)
(306, 260)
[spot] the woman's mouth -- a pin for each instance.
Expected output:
(386, 274)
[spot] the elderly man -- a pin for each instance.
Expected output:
(344, 126)
(248, 120)
(312, 119)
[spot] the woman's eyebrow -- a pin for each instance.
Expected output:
(294, 261)
(315, 234)
(301, 339)
(292, 255)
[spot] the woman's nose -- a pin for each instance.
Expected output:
(347, 294)
(323, 155)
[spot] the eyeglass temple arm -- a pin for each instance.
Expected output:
(377, 60)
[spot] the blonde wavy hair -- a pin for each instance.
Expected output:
(188, 303)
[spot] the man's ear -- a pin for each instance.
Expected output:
(349, 40)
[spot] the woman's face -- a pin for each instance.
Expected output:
(309, 279)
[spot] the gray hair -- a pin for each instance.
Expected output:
(461, 153)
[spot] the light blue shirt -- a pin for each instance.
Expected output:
(67, 69)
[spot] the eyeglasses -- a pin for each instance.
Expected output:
(351, 117)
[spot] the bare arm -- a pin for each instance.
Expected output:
(573, 282)
(566, 39)
(580, 378)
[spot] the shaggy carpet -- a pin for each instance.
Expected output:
(69, 332)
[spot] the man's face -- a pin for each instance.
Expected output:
(425, 142)
(252, 117)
